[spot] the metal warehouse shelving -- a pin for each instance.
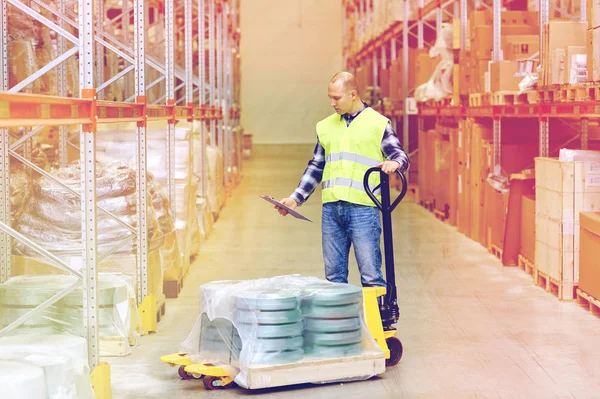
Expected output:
(431, 16)
(212, 24)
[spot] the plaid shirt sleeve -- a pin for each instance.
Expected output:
(312, 175)
(392, 149)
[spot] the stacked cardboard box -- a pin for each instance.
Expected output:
(564, 189)
(562, 38)
(396, 77)
(463, 178)
(593, 40)
(424, 66)
(519, 39)
(527, 246)
(481, 211)
(589, 270)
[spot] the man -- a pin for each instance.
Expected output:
(349, 142)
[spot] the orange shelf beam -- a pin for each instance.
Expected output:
(18, 109)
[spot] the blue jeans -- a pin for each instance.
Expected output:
(345, 224)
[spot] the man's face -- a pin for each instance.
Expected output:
(340, 99)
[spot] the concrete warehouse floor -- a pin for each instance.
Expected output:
(470, 327)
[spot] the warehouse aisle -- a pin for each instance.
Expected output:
(470, 328)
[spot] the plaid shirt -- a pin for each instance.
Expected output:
(390, 148)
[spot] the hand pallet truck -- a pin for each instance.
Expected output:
(380, 303)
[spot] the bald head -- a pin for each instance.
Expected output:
(347, 80)
(343, 93)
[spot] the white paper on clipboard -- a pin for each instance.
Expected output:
(288, 209)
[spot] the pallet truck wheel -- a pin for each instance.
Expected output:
(183, 374)
(395, 347)
(212, 383)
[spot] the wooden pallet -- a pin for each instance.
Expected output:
(475, 100)
(564, 291)
(497, 252)
(114, 346)
(588, 301)
(553, 94)
(427, 205)
(172, 288)
(526, 265)
(509, 98)
(533, 97)
(441, 215)
(576, 93)
(370, 363)
(592, 91)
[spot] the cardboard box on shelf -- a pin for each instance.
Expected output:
(560, 35)
(593, 13)
(575, 65)
(564, 189)
(593, 54)
(423, 169)
(384, 82)
(482, 38)
(486, 17)
(21, 64)
(498, 207)
(424, 67)
(589, 267)
(453, 179)
(515, 47)
(556, 68)
(527, 247)
(502, 76)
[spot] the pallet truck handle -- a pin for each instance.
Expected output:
(384, 182)
(389, 306)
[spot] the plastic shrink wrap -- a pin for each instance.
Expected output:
(120, 145)
(52, 214)
(214, 164)
(116, 318)
(280, 321)
(440, 84)
(49, 367)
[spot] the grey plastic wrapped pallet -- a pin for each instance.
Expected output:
(21, 294)
(280, 322)
(49, 367)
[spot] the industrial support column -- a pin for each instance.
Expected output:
(202, 88)
(219, 80)
(420, 41)
(394, 57)
(405, 116)
(5, 240)
(146, 302)
(99, 56)
(211, 72)
(224, 104)
(584, 121)
(420, 45)
(544, 122)
(87, 153)
(497, 15)
(63, 131)
(170, 95)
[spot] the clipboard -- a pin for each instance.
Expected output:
(288, 209)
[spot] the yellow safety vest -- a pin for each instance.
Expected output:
(349, 152)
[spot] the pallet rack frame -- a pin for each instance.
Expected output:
(544, 112)
(88, 110)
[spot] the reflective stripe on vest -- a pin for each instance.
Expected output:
(348, 156)
(341, 181)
